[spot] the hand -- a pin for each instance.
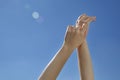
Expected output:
(84, 21)
(74, 36)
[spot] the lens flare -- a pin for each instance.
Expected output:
(35, 15)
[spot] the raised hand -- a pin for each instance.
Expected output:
(84, 59)
(74, 36)
(84, 21)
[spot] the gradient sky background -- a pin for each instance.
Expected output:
(28, 44)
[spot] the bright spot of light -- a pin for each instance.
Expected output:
(35, 15)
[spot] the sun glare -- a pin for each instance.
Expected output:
(35, 15)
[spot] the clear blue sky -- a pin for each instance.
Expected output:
(28, 44)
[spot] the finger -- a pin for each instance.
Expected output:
(72, 28)
(94, 18)
(84, 27)
(87, 22)
(84, 17)
(68, 33)
(69, 29)
(82, 21)
(86, 31)
(90, 19)
(80, 18)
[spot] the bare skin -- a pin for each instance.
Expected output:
(84, 59)
(74, 38)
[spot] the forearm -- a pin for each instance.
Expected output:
(55, 65)
(85, 63)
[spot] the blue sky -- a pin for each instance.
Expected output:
(28, 44)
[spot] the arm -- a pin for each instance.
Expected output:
(53, 68)
(84, 59)
(73, 39)
(85, 64)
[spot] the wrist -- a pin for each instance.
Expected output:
(68, 47)
(84, 43)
